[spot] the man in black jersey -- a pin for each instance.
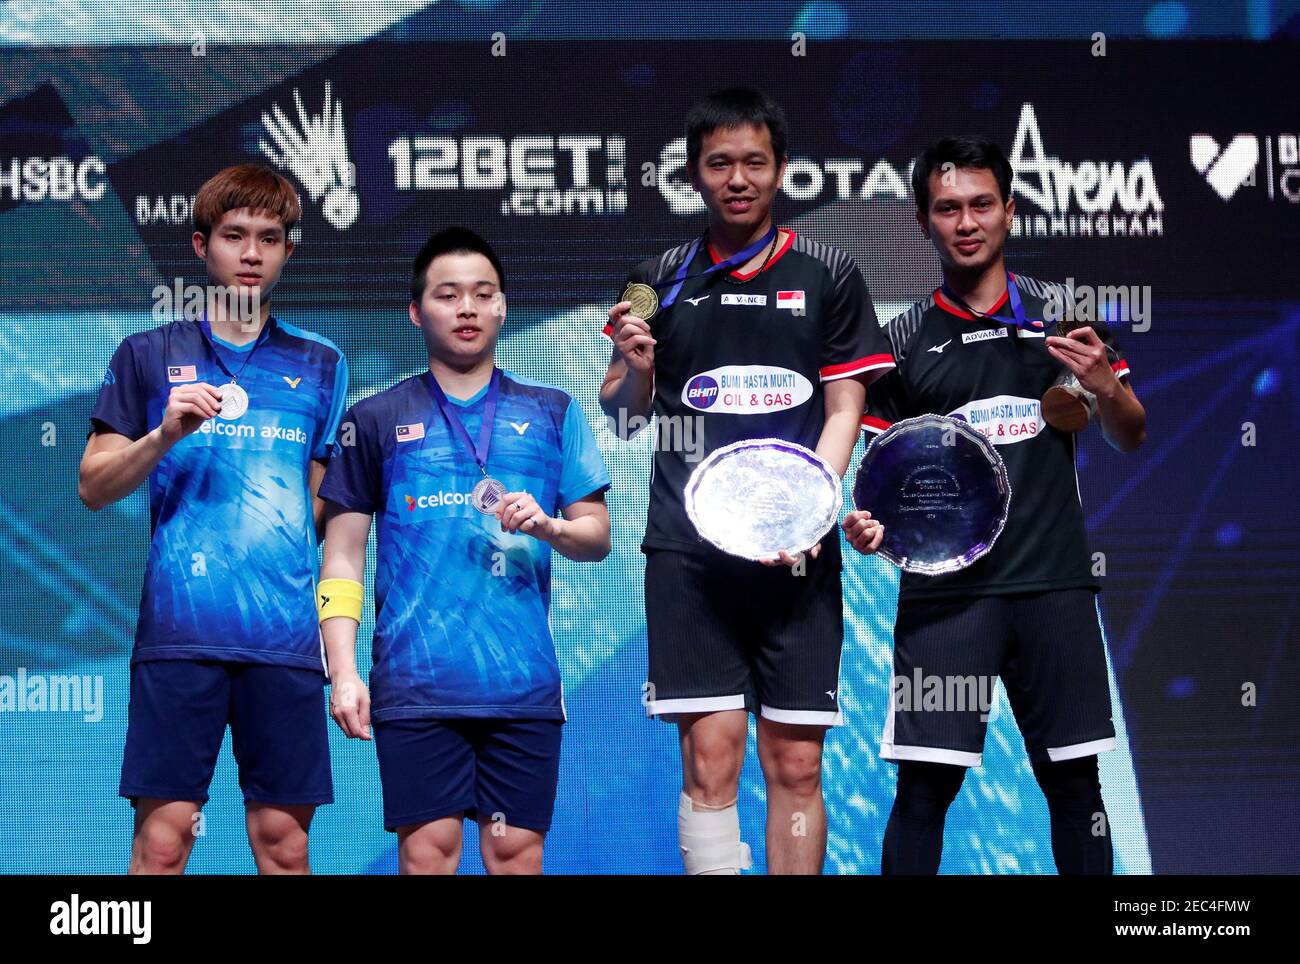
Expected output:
(778, 340)
(1026, 611)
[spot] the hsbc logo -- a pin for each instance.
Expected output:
(1226, 168)
(52, 178)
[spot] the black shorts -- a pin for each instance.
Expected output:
(948, 654)
(727, 634)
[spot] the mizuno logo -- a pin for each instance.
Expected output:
(521, 429)
(293, 382)
(696, 301)
(938, 349)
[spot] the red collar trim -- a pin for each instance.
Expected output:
(776, 255)
(952, 309)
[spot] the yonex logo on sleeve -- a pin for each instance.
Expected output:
(182, 373)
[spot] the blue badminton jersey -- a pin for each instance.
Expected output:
(232, 562)
(461, 608)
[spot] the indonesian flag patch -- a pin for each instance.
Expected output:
(790, 300)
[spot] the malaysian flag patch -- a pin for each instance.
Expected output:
(790, 300)
(182, 373)
(409, 433)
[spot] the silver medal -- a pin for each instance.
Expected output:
(487, 495)
(234, 401)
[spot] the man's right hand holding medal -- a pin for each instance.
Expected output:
(632, 338)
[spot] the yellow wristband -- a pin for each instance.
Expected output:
(339, 597)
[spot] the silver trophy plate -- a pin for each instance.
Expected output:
(758, 497)
(939, 488)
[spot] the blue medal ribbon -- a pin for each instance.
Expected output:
(1017, 307)
(480, 449)
(739, 258)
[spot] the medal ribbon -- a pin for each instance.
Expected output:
(739, 258)
(480, 449)
(1017, 311)
(1013, 296)
(206, 329)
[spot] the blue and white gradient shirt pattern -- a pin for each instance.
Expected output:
(232, 563)
(462, 624)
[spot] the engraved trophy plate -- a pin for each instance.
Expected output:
(939, 488)
(758, 497)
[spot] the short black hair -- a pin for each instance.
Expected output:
(453, 240)
(734, 107)
(961, 150)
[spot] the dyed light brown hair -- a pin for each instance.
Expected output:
(246, 186)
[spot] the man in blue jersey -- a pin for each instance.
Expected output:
(231, 419)
(475, 475)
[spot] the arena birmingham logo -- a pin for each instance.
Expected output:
(1087, 199)
(316, 153)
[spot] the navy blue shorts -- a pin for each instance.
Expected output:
(177, 719)
(497, 769)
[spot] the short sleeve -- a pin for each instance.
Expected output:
(853, 343)
(584, 470)
(354, 474)
(333, 409)
(122, 405)
(886, 403)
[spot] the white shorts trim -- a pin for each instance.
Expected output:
(930, 754)
(698, 704)
(889, 750)
(1076, 750)
(805, 717)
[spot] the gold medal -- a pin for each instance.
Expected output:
(645, 302)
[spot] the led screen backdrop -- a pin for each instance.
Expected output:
(1168, 168)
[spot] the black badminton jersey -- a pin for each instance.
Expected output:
(740, 356)
(993, 375)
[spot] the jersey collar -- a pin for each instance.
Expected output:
(781, 249)
(952, 309)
